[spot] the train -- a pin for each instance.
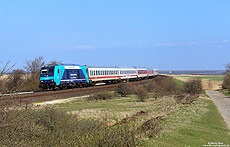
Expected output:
(72, 75)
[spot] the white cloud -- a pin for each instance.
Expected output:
(170, 44)
(143, 46)
(226, 41)
(84, 47)
(189, 43)
(167, 44)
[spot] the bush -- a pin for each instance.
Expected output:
(49, 127)
(186, 98)
(163, 86)
(226, 82)
(125, 89)
(152, 127)
(193, 87)
(142, 94)
(15, 81)
(106, 95)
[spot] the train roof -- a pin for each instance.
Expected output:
(117, 67)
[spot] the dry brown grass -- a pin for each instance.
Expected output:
(207, 84)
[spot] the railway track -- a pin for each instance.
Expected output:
(37, 97)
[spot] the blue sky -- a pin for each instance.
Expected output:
(165, 34)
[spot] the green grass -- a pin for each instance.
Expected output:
(203, 93)
(204, 77)
(225, 92)
(115, 109)
(179, 82)
(192, 125)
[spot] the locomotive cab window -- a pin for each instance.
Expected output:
(49, 70)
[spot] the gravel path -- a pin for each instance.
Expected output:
(59, 101)
(223, 104)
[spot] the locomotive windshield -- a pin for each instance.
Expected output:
(48, 70)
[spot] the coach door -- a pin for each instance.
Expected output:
(78, 74)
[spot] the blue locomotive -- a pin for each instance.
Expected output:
(60, 76)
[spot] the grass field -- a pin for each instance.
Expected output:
(192, 125)
(217, 78)
(209, 82)
(187, 125)
(116, 109)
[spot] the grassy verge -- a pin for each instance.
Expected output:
(179, 82)
(203, 93)
(192, 125)
(225, 92)
(216, 78)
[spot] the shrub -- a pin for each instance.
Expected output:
(163, 86)
(106, 95)
(152, 127)
(186, 98)
(193, 87)
(49, 127)
(15, 81)
(226, 82)
(125, 89)
(142, 94)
